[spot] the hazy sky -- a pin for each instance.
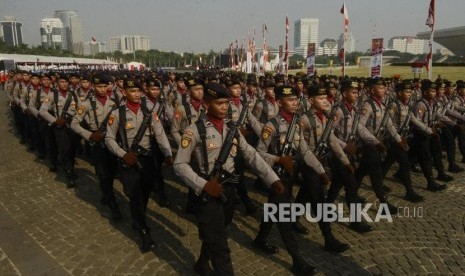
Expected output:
(198, 26)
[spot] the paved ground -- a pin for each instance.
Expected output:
(46, 229)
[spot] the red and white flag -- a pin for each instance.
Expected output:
(93, 41)
(265, 46)
(430, 19)
(346, 17)
(430, 23)
(286, 54)
(342, 53)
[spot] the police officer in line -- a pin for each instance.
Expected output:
(371, 116)
(270, 146)
(426, 111)
(46, 137)
(185, 114)
(93, 113)
(402, 117)
(21, 83)
(203, 141)
(31, 126)
(313, 125)
(154, 101)
(237, 101)
(137, 160)
(348, 130)
(58, 110)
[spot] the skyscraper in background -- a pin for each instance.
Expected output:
(11, 31)
(52, 33)
(72, 31)
(305, 31)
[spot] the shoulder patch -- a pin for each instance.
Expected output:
(185, 142)
(421, 110)
(111, 119)
(266, 132)
(177, 114)
(81, 109)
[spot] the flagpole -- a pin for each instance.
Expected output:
(430, 23)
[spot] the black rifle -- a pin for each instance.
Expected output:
(226, 149)
(287, 147)
(322, 148)
(405, 129)
(433, 124)
(64, 111)
(382, 126)
(103, 126)
(139, 135)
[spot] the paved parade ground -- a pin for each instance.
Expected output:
(47, 229)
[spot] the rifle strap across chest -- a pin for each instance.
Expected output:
(312, 121)
(93, 105)
(203, 137)
(275, 124)
(122, 128)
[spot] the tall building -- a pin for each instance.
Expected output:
(350, 42)
(52, 33)
(407, 44)
(92, 48)
(305, 31)
(129, 43)
(11, 31)
(73, 31)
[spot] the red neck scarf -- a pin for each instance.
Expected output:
(251, 95)
(320, 115)
(286, 115)
(217, 123)
(35, 87)
(134, 107)
(349, 106)
(182, 92)
(196, 104)
(377, 101)
(101, 99)
(271, 100)
(330, 99)
(109, 93)
(64, 93)
(46, 89)
(153, 100)
(236, 101)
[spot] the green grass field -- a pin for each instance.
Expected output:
(450, 73)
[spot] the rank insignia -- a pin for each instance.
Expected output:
(266, 133)
(186, 141)
(111, 119)
(81, 110)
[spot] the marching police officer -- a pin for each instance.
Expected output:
(58, 110)
(205, 140)
(94, 114)
(130, 131)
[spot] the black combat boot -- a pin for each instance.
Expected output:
(147, 243)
